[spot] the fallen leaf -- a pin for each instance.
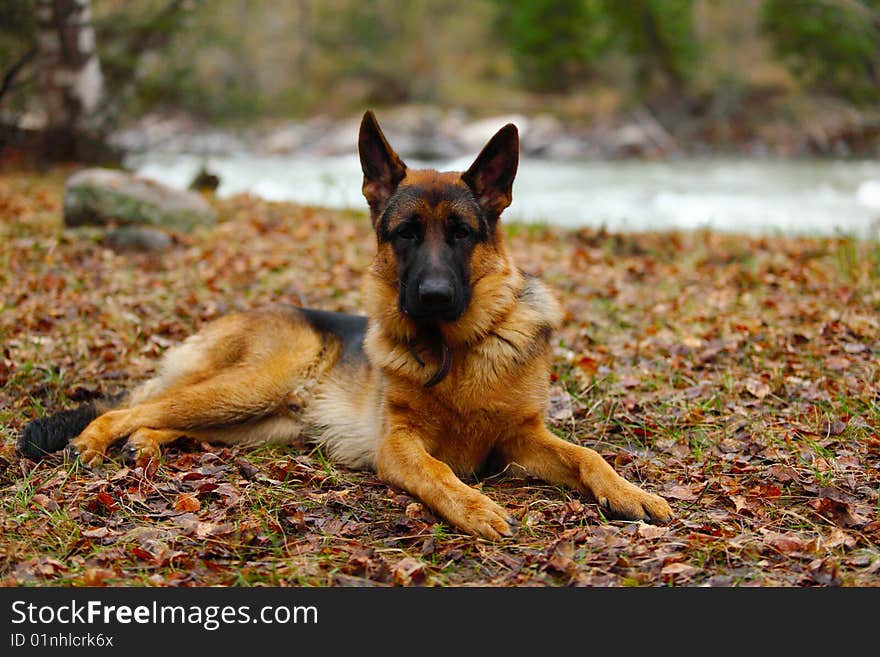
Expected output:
(47, 566)
(825, 572)
(561, 561)
(45, 502)
(838, 537)
(228, 492)
(837, 363)
(832, 428)
(408, 571)
(783, 473)
(559, 408)
(757, 388)
(786, 542)
(684, 493)
(96, 576)
(201, 529)
(838, 511)
(740, 502)
(678, 569)
(141, 553)
(765, 491)
(247, 470)
(651, 531)
(106, 500)
(873, 528)
(97, 532)
(187, 502)
(588, 365)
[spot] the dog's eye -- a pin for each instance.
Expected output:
(461, 232)
(406, 232)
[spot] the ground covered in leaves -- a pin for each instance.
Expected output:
(736, 376)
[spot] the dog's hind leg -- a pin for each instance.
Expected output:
(281, 427)
(231, 397)
(219, 345)
(246, 372)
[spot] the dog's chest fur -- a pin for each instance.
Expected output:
(493, 384)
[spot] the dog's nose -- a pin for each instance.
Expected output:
(436, 291)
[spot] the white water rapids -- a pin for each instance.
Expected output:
(786, 197)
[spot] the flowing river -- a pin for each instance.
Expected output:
(756, 196)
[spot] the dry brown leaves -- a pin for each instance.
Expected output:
(736, 376)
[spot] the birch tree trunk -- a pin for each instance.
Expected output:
(70, 79)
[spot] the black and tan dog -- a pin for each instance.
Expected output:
(448, 373)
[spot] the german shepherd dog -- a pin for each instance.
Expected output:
(447, 375)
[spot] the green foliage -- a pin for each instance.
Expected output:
(17, 38)
(16, 27)
(830, 45)
(196, 59)
(660, 38)
(124, 35)
(125, 32)
(377, 43)
(554, 43)
(557, 43)
(238, 59)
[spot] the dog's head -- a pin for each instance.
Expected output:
(437, 232)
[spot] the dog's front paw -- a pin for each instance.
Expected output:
(85, 451)
(138, 449)
(626, 500)
(477, 514)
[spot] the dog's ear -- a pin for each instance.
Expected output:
(383, 169)
(491, 175)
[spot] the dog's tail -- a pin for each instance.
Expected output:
(52, 433)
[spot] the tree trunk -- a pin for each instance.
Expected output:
(70, 80)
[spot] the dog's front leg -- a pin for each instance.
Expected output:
(560, 462)
(403, 461)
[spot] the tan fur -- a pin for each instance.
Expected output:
(236, 381)
(346, 417)
(269, 376)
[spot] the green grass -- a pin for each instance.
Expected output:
(663, 333)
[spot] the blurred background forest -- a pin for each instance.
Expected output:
(715, 71)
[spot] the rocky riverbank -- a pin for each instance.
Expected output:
(430, 133)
